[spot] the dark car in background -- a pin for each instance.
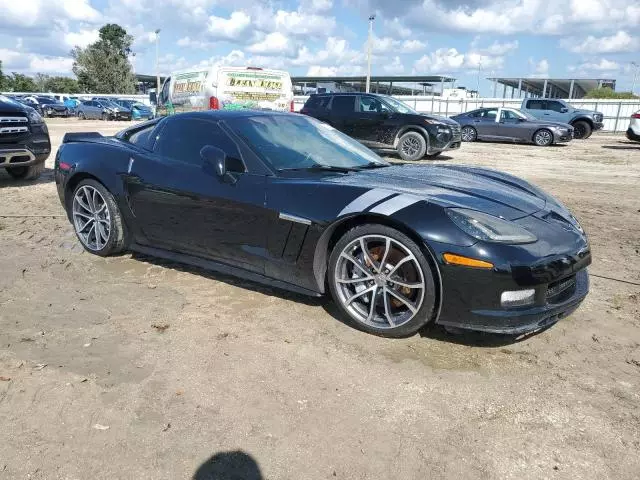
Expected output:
(511, 125)
(52, 108)
(139, 111)
(24, 140)
(287, 200)
(382, 122)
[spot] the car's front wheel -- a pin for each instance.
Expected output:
(543, 138)
(380, 279)
(469, 134)
(30, 172)
(412, 146)
(96, 219)
(581, 130)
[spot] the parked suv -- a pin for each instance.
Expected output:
(24, 140)
(382, 122)
(584, 122)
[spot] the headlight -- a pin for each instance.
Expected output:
(34, 117)
(489, 228)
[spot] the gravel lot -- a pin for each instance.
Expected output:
(129, 367)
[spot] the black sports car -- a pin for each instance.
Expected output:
(290, 201)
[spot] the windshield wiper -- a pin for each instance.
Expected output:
(319, 168)
(372, 165)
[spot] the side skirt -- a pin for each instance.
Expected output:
(212, 265)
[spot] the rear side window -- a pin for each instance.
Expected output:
(536, 105)
(343, 104)
(316, 102)
(182, 140)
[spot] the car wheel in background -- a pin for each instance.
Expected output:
(82, 116)
(543, 137)
(412, 146)
(581, 130)
(30, 172)
(96, 219)
(380, 279)
(469, 134)
(104, 117)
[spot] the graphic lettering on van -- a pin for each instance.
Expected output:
(254, 80)
(187, 86)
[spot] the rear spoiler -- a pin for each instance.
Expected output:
(80, 136)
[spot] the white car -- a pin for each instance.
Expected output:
(633, 132)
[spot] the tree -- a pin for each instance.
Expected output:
(609, 93)
(62, 85)
(4, 81)
(103, 66)
(40, 80)
(21, 83)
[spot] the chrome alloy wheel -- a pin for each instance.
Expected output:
(543, 137)
(468, 134)
(379, 281)
(410, 146)
(91, 218)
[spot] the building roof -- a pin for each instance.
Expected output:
(556, 87)
(389, 78)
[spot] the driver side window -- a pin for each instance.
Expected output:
(371, 104)
(555, 106)
(508, 115)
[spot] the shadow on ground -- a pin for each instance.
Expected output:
(7, 180)
(627, 146)
(234, 465)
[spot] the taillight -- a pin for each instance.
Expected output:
(636, 115)
(214, 104)
(291, 107)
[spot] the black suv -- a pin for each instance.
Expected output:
(382, 122)
(24, 140)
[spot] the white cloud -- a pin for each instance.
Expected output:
(228, 28)
(540, 69)
(603, 65)
(316, 5)
(320, 71)
(395, 67)
(397, 28)
(450, 60)
(274, 43)
(51, 64)
(412, 46)
(81, 38)
(618, 43)
(15, 61)
(36, 13)
(297, 23)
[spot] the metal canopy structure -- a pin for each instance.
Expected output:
(570, 88)
(379, 84)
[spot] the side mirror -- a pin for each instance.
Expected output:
(564, 110)
(215, 158)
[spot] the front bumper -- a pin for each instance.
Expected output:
(52, 112)
(440, 146)
(562, 137)
(26, 149)
(598, 126)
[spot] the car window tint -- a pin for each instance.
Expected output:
(508, 115)
(555, 106)
(140, 137)
(536, 105)
(490, 114)
(317, 103)
(343, 104)
(182, 140)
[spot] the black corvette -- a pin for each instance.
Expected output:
(290, 201)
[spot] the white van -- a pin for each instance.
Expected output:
(226, 88)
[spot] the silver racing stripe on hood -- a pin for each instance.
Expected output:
(365, 200)
(395, 204)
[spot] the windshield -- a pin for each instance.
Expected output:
(297, 142)
(398, 106)
(140, 106)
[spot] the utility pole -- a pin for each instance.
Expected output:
(157, 66)
(370, 42)
(635, 76)
(478, 79)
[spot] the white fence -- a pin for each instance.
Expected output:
(616, 112)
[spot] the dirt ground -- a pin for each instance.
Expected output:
(132, 368)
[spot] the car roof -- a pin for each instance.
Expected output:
(340, 94)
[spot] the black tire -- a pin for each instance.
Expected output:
(104, 117)
(471, 134)
(81, 116)
(581, 130)
(412, 146)
(543, 138)
(425, 312)
(117, 240)
(30, 172)
(433, 155)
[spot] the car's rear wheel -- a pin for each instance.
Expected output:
(82, 116)
(412, 146)
(381, 281)
(543, 137)
(581, 130)
(105, 117)
(469, 134)
(30, 172)
(96, 219)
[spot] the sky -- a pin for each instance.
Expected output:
(541, 38)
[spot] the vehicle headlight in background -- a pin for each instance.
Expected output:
(489, 228)
(34, 117)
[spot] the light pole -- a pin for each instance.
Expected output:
(157, 66)
(635, 76)
(478, 79)
(370, 42)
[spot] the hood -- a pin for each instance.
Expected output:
(586, 112)
(11, 106)
(440, 118)
(554, 124)
(480, 189)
